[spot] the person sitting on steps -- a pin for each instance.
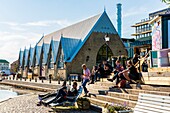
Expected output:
(119, 68)
(131, 74)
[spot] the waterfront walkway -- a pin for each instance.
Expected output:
(27, 103)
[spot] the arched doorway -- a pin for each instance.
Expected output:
(101, 55)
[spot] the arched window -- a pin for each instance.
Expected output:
(101, 55)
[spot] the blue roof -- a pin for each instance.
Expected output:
(31, 53)
(45, 49)
(21, 53)
(69, 45)
(54, 45)
(26, 52)
(38, 54)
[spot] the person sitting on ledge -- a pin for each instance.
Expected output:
(63, 95)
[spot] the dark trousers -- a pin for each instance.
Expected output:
(84, 85)
(48, 96)
(59, 97)
(118, 79)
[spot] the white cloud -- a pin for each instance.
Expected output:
(21, 35)
(62, 23)
(10, 23)
(12, 42)
(134, 11)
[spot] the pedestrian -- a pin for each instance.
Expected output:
(86, 76)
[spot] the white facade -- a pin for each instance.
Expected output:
(4, 66)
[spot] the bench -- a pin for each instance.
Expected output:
(151, 103)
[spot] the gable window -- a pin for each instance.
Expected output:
(51, 63)
(61, 61)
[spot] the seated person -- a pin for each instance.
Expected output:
(130, 73)
(117, 69)
(50, 94)
(63, 94)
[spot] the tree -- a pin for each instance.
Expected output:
(166, 1)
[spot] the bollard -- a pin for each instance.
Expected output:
(50, 77)
(35, 79)
(30, 79)
(13, 77)
(42, 80)
(25, 79)
(69, 80)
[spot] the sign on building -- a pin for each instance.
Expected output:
(156, 35)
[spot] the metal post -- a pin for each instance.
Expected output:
(106, 51)
(58, 78)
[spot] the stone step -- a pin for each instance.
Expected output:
(158, 82)
(151, 87)
(115, 100)
(98, 102)
(123, 96)
(98, 86)
(137, 91)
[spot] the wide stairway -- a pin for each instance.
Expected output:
(105, 93)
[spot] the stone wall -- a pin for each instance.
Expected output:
(91, 48)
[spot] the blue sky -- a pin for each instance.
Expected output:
(22, 22)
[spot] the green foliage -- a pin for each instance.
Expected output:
(116, 107)
(166, 1)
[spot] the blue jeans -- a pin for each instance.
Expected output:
(84, 85)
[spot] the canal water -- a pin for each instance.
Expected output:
(6, 94)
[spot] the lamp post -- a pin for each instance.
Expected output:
(107, 39)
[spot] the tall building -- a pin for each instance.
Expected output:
(143, 33)
(4, 64)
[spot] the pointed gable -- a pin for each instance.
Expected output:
(26, 52)
(45, 49)
(31, 54)
(99, 26)
(104, 25)
(54, 47)
(38, 54)
(21, 55)
(69, 45)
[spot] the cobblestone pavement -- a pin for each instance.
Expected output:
(27, 104)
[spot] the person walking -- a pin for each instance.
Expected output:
(86, 77)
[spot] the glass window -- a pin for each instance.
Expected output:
(61, 61)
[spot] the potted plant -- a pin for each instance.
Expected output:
(116, 108)
(83, 103)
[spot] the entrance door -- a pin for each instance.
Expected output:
(102, 54)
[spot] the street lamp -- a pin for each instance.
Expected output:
(107, 39)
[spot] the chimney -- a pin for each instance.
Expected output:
(119, 19)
